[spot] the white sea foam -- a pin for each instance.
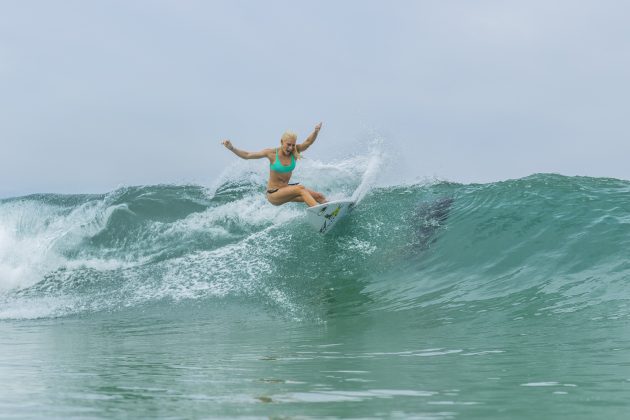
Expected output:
(34, 236)
(29, 234)
(251, 210)
(40, 307)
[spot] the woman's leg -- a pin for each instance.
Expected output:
(319, 197)
(293, 193)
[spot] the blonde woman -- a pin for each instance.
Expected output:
(282, 161)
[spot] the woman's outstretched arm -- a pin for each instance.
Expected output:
(310, 139)
(243, 154)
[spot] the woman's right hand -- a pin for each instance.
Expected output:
(227, 144)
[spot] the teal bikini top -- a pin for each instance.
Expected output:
(279, 167)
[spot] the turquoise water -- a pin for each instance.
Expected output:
(433, 300)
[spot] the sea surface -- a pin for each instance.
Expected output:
(433, 300)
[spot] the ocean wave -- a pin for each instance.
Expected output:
(546, 242)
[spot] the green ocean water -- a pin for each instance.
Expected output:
(433, 301)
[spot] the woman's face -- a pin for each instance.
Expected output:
(288, 146)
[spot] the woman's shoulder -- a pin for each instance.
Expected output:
(270, 153)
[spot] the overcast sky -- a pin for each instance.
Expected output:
(98, 94)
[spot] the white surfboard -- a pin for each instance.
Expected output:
(324, 216)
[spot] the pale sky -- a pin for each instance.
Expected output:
(99, 94)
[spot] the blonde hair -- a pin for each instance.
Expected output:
(290, 135)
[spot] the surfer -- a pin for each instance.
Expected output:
(282, 161)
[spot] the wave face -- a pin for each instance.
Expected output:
(542, 243)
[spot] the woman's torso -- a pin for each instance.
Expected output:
(279, 179)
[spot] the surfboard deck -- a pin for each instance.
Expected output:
(324, 216)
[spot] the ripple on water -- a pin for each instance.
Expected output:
(348, 396)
